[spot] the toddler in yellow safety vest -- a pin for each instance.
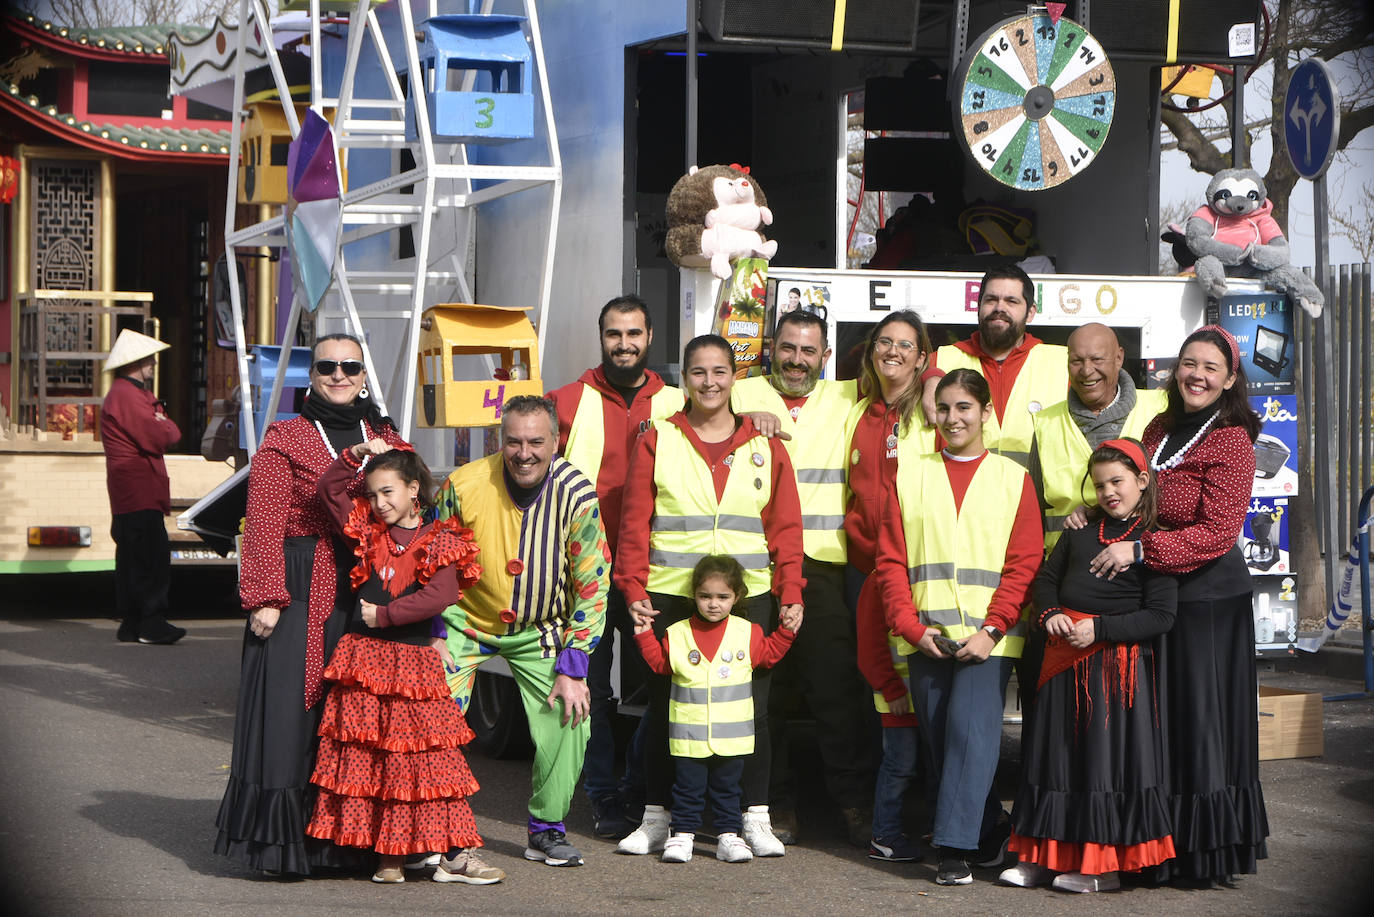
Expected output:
(711, 658)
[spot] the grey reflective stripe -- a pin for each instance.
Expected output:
(719, 694)
(823, 523)
(943, 616)
(820, 475)
(1020, 458)
(697, 732)
(1054, 523)
(972, 576)
(687, 560)
(687, 733)
(751, 524)
(929, 571)
(732, 730)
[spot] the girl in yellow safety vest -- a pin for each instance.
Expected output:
(702, 482)
(955, 564)
(711, 658)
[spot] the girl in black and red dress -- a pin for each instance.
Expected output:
(391, 775)
(1094, 797)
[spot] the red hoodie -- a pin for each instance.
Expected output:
(622, 424)
(782, 525)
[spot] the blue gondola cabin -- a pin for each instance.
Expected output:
(476, 80)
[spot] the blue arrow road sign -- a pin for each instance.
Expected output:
(1311, 118)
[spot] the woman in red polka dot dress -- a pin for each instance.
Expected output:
(1201, 449)
(391, 774)
(293, 585)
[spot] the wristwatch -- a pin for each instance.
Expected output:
(993, 631)
(1140, 552)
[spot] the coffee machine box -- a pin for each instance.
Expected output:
(1264, 538)
(1276, 614)
(1276, 449)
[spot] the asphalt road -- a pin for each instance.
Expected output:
(114, 758)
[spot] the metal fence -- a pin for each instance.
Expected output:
(1336, 394)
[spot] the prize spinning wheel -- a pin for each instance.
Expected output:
(1035, 101)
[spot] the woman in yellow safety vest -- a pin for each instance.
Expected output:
(702, 482)
(954, 569)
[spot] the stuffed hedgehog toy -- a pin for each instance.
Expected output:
(714, 215)
(1234, 234)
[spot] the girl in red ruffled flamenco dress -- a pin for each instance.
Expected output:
(390, 771)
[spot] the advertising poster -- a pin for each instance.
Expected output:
(1276, 614)
(1262, 324)
(1276, 449)
(1264, 538)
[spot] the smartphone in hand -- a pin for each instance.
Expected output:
(946, 645)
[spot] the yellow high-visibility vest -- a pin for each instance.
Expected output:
(689, 524)
(711, 700)
(818, 455)
(900, 650)
(1043, 381)
(587, 435)
(955, 557)
(1064, 454)
(916, 440)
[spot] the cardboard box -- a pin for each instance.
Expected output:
(1290, 724)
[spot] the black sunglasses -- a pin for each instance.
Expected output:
(327, 367)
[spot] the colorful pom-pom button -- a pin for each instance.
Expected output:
(507, 615)
(515, 566)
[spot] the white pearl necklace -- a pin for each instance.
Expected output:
(330, 446)
(1177, 457)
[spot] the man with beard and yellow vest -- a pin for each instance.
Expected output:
(1024, 374)
(822, 667)
(955, 563)
(1103, 404)
(599, 418)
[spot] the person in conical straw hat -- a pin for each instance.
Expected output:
(136, 433)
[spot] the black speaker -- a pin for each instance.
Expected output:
(1139, 29)
(870, 25)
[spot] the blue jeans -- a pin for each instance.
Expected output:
(895, 773)
(598, 769)
(960, 706)
(694, 777)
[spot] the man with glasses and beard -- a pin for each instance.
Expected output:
(1024, 373)
(822, 666)
(599, 418)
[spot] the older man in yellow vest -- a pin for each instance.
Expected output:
(599, 418)
(1025, 375)
(822, 666)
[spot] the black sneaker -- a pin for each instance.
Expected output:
(993, 850)
(953, 870)
(608, 818)
(898, 849)
(551, 848)
(128, 632)
(161, 631)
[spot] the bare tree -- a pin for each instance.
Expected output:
(1336, 31)
(1356, 224)
(105, 14)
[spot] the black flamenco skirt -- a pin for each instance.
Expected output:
(1220, 824)
(1094, 794)
(267, 804)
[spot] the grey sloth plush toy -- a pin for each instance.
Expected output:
(1234, 234)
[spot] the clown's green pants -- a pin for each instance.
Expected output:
(558, 749)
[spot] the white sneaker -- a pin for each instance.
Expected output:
(731, 848)
(758, 833)
(678, 848)
(1077, 882)
(650, 836)
(1026, 875)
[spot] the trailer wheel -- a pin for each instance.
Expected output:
(498, 718)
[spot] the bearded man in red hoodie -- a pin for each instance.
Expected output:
(599, 418)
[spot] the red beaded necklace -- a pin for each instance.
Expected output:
(1102, 531)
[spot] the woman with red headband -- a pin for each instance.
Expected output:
(1094, 794)
(1201, 449)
